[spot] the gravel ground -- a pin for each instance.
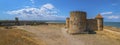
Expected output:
(53, 35)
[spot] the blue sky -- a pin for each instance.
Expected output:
(58, 9)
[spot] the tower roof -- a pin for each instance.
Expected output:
(99, 16)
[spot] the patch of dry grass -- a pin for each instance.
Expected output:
(112, 28)
(16, 37)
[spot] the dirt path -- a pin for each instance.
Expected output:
(57, 36)
(51, 35)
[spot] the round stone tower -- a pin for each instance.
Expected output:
(77, 22)
(99, 19)
(67, 22)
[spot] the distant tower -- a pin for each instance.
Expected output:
(77, 22)
(99, 22)
(16, 21)
(0, 23)
(67, 22)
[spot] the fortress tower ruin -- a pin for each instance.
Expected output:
(16, 21)
(78, 23)
(99, 19)
(67, 22)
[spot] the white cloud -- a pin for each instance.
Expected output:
(114, 4)
(32, 1)
(48, 6)
(106, 13)
(113, 17)
(47, 11)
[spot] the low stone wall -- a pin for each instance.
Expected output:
(111, 33)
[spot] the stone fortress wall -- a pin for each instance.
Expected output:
(78, 23)
(91, 24)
